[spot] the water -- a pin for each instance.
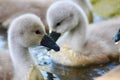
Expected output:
(70, 73)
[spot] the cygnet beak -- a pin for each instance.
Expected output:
(55, 35)
(48, 42)
(116, 38)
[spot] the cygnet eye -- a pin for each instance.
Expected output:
(58, 24)
(37, 32)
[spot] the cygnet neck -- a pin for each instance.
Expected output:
(22, 60)
(78, 33)
(78, 37)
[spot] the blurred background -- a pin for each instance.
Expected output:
(105, 9)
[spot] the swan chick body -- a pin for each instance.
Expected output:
(80, 43)
(30, 32)
(19, 39)
(113, 74)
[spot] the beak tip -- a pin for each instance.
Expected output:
(49, 43)
(57, 49)
(116, 38)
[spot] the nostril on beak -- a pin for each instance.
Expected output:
(54, 35)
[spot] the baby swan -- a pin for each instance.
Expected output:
(80, 43)
(29, 32)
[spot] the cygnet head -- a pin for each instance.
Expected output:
(63, 16)
(28, 30)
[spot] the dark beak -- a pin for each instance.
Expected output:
(116, 38)
(48, 42)
(55, 35)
